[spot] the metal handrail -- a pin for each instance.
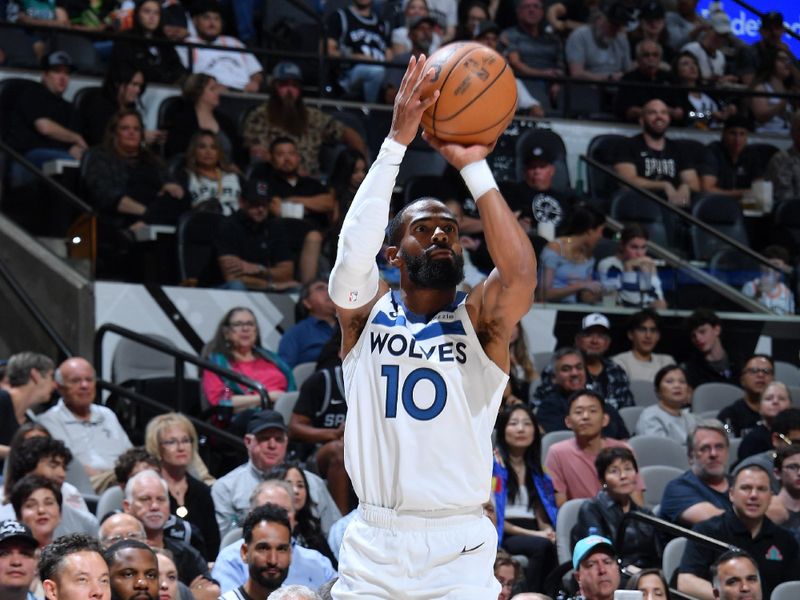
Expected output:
(38, 316)
(684, 215)
(180, 357)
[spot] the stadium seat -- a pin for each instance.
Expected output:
(630, 414)
(285, 404)
(733, 450)
(629, 207)
(788, 590)
(548, 439)
(602, 148)
(418, 186)
(76, 475)
(733, 267)
(725, 215)
(644, 392)
(787, 217)
(302, 372)
(230, 537)
(197, 260)
(18, 48)
(167, 110)
(656, 478)
(715, 396)
(132, 360)
(110, 500)
(10, 90)
(794, 391)
(531, 138)
(787, 373)
(420, 162)
(81, 50)
(671, 559)
(762, 152)
(565, 521)
(653, 450)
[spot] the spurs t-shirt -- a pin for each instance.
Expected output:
(657, 165)
(548, 206)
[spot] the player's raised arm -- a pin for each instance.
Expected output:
(354, 282)
(507, 293)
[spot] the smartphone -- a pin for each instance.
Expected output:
(628, 595)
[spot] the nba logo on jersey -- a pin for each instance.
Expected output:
(352, 296)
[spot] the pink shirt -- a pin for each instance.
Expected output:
(259, 369)
(572, 469)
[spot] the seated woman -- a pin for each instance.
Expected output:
(200, 111)
(158, 63)
(699, 109)
(236, 345)
(773, 114)
(652, 584)
(37, 503)
(209, 180)
(524, 496)
(617, 470)
(671, 416)
(631, 272)
(173, 439)
(307, 530)
(774, 399)
(128, 183)
(567, 262)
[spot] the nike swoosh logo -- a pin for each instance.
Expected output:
(334, 401)
(466, 551)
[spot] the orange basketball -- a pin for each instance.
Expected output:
(477, 94)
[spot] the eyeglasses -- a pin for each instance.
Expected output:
(242, 324)
(793, 468)
(133, 535)
(184, 441)
(757, 370)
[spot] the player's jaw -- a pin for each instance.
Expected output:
(439, 267)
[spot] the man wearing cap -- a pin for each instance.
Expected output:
(543, 211)
(17, 560)
(235, 70)
(286, 115)
(654, 162)
(266, 440)
(46, 126)
(599, 50)
(730, 168)
(630, 100)
(532, 51)
(420, 34)
(358, 32)
(708, 49)
(596, 569)
(252, 250)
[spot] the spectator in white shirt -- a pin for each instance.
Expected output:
(640, 362)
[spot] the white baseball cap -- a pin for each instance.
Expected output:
(595, 320)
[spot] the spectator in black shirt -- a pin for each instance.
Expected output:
(710, 361)
(630, 100)
(654, 162)
(730, 168)
(652, 26)
(159, 63)
(45, 126)
(543, 211)
(742, 415)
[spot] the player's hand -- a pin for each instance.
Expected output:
(408, 105)
(457, 155)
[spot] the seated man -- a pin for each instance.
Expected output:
(630, 100)
(567, 375)
(252, 250)
(91, 431)
(654, 162)
(730, 169)
(570, 463)
(734, 575)
(701, 492)
(316, 312)
(133, 570)
(17, 560)
(644, 332)
(709, 361)
(783, 169)
(785, 430)
(235, 70)
(747, 527)
(742, 415)
(596, 568)
(599, 50)
(308, 567)
(45, 126)
(784, 510)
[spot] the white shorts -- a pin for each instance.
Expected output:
(403, 557)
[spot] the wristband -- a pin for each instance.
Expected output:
(478, 178)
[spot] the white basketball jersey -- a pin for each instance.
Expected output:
(422, 399)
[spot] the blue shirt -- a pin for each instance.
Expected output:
(687, 490)
(308, 567)
(303, 342)
(336, 534)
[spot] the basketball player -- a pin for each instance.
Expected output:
(424, 369)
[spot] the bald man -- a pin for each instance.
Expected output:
(91, 431)
(121, 526)
(308, 567)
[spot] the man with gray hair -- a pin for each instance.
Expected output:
(30, 380)
(308, 567)
(294, 592)
(701, 492)
(734, 576)
(91, 431)
(147, 499)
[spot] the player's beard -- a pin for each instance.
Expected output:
(440, 274)
(271, 583)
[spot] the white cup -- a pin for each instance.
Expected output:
(628, 595)
(292, 210)
(762, 190)
(546, 230)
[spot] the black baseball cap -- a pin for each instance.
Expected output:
(419, 20)
(56, 59)
(485, 27)
(618, 14)
(11, 528)
(739, 121)
(201, 7)
(543, 150)
(266, 419)
(256, 191)
(286, 70)
(771, 19)
(652, 10)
